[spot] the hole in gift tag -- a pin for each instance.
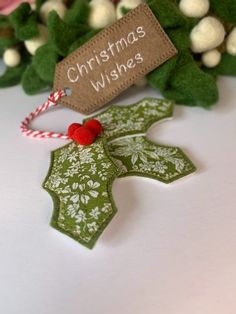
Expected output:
(68, 91)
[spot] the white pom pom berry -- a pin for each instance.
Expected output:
(194, 8)
(208, 34)
(102, 13)
(211, 58)
(231, 43)
(11, 57)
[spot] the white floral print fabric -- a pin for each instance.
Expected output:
(138, 156)
(120, 121)
(80, 179)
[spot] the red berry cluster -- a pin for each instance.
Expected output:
(85, 134)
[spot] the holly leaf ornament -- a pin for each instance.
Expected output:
(80, 177)
(80, 180)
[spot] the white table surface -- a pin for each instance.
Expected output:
(169, 250)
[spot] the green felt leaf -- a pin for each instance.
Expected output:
(227, 66)
(12, 76)
(191, 22)
(80, 180)
(24, 21)
(45, 61)
(7, 36)
(137, 156)
(57, 27)
(225, 9)
(8, 42)
(180, 38)
(39, 4)
(124, 10)
(189, 85)
(167, 13)
(4, 21)
(82, 40)
(1, 51)
(160, 77)
(32, 83)
(78, 13)
(133, 119)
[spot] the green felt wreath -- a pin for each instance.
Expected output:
(183, 79)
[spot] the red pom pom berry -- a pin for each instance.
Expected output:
(84, 136)
(72, 128)
(94, 125)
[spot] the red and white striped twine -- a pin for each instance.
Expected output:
(51, 102)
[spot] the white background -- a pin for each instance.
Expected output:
(169, 250)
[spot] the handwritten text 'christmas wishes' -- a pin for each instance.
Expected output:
(110, 52)
(112, 60)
